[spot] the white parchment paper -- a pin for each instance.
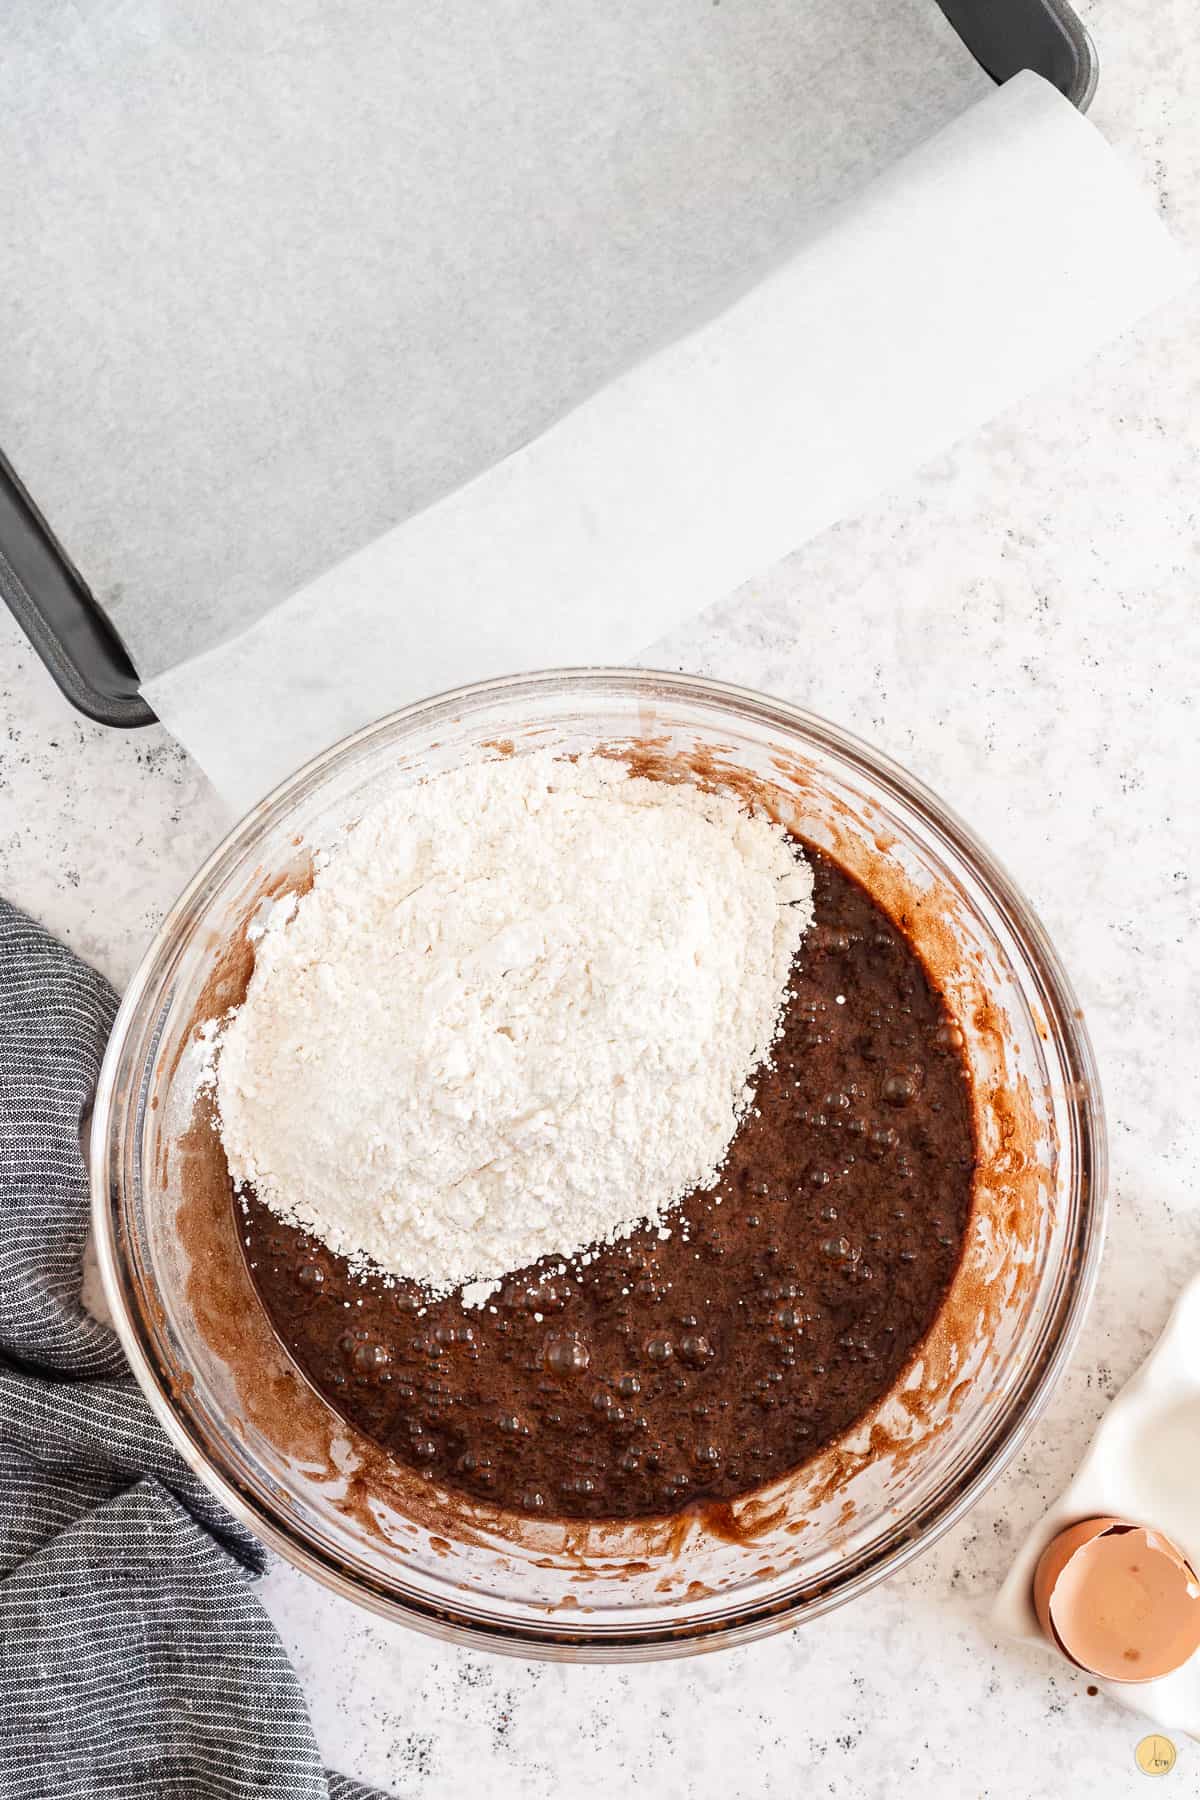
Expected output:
(1002, 250)
(354, 351)
(278, 274)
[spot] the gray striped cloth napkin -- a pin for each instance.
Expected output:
(135, 1659)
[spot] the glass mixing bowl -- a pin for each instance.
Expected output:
(247, 1422)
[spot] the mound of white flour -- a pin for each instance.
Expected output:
(516, 1015)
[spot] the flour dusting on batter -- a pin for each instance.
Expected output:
(518, 1013)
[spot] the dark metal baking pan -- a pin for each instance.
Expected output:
(66, 624)
(60, 615)
(1006, 36)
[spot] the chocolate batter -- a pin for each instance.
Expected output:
(786, 1301)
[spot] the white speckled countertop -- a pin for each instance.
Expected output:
(1019, 625)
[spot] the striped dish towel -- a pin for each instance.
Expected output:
(135, 1659)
